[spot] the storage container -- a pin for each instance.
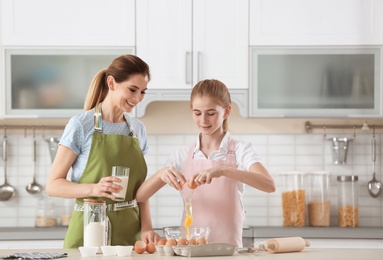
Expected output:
(46, 215)
(348, 201)
(94, 223)
(293, 198)
(318, 202)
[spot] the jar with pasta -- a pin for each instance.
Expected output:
(348, 201)
(293, 198)
(318, 202)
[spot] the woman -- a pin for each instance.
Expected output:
(217, 164)
(99, 138)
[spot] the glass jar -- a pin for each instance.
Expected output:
(293, 198)
(66, 211)
(348, 204)
(46, 215)
(318, 202)
(94, 222)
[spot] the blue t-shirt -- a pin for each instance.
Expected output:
(78, 133)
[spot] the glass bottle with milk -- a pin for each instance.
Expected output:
(94, 222)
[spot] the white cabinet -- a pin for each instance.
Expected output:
(68, 22)
(189, 40)
(316, 22)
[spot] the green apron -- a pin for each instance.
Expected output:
(107, 151)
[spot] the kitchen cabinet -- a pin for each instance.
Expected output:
(68, 22)
(326, 81)
(51, 82)
(186, 41)
(316, 22)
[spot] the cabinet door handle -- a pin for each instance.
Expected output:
(199, 62)
(188, 67)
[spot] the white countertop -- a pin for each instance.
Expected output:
(58, 233)
(308, 253)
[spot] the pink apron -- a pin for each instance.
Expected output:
(217, 204)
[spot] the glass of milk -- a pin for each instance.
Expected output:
(123, 174)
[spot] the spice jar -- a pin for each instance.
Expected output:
(348, 205)
(318, 202)
(45, 215)
(94, 222)
(293, 198)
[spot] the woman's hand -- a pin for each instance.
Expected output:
(172, 177)
(106, 186)
(149, 236)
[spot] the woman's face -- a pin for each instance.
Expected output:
(208, 114)
(127, 94)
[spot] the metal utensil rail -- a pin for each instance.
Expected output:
(309, 127)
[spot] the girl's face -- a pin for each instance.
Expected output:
(208, 114)
(127, 94)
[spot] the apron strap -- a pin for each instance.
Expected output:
(111, 207)
(98, 121)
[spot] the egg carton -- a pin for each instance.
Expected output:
(213, 249)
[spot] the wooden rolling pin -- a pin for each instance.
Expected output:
(286, 244)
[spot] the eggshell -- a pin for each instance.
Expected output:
(151, 248)
(201, 241)
(140, 247)
(162, 242)
(182, 241)
(192, 241)
(191, 184)
(171, 242)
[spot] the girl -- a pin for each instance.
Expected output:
(99, 138)
(218, 164)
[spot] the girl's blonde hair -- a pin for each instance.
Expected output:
(121, 69)
(215, 89)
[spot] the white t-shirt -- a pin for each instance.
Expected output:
(245, 154)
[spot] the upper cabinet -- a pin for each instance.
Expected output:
(68, 22)
(316, 22)
(190, 40)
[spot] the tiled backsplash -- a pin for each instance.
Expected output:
(300, 152)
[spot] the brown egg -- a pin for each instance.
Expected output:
(171, 242)
(182, 241)
(192, 185)
(201, 241)
(162, 242)
(192, 241)
(151, 248)
(140, 247)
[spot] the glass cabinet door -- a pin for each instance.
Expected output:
(315, 82)
(54, 82)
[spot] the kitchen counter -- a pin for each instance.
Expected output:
(58, 233)
(312, 254)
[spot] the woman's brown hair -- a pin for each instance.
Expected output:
(121, 69)
(215, 89)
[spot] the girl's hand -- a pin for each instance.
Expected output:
(106, 186)
(172, 177)
(207, 176)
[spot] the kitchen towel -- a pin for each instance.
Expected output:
(35, 255)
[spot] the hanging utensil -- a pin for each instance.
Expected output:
(6, 190)
(34, 187)
(374, 186)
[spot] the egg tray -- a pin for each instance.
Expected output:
(213, 249)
